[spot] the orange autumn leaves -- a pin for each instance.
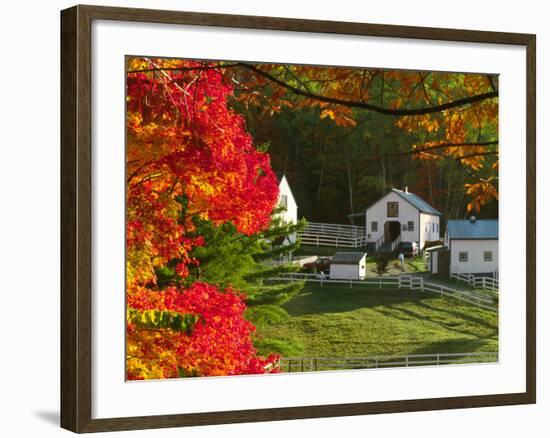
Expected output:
(188, 155)
(467, 132)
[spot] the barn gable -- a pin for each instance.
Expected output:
(417, 202)
(400, 216)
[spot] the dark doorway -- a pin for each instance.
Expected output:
(392, 230)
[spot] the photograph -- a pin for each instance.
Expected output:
(285, 218)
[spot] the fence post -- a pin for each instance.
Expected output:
(317, 238)
(350, 283)
(437, 359)
(406, 361)
(379, 282)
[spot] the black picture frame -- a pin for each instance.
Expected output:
(76, 218)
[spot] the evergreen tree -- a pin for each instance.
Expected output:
(245, 262)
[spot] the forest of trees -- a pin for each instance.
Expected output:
(334, 172)
(338, 164)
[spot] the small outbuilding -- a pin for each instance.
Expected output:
(348, 266)
(473, 246)
(437, 259)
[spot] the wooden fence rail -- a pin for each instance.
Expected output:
(401, 282)
(321, 234)
(335, 229)
(304, 364)
(483, 282)
(308, 238)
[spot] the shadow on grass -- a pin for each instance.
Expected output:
(463, 315)
(440, 317)
(338, 299)
(456, 345)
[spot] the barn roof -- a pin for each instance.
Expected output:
(418, 202)
(280, 176)
(473, 229)
(347, 258)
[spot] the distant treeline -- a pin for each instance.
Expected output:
(336, 171)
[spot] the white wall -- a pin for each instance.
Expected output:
(291, 213)
(475, 263)
(378, 212)
(344, 272)
(427, 231)
(29, 183)
(432, 261)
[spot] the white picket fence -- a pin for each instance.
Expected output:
(305, 364)
(322, 234)
(483, 282)
(401, 282)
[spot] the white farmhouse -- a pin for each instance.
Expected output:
(348, 266)
(400, 216)
(287, 201)
(473, 246)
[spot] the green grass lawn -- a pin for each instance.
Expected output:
(338, 321)
(413, 265)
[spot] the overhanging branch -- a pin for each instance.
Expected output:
(368, 106)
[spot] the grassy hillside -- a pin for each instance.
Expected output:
(336, 321)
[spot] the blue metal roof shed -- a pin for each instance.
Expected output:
(473, 229)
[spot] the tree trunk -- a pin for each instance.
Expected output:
(320, 184)
(350, 187)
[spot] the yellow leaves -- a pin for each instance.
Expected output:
(396, 103)
(144, 358)
(482, 192)
(342, 116)
(327, 113)
(431, 125)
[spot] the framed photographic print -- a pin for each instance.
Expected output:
(268, 218)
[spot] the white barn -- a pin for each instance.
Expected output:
(400, 216)
(288, 202)
(348, 266)
(473, 246)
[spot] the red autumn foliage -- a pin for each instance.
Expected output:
(188, 154)
(219, 343)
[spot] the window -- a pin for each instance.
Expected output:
(374, 226)
(393, 209)
(404, 227)
(284, 201)
(487, 256)
(433, 227)
(410, 225)
(437, 227)
(463, 256)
